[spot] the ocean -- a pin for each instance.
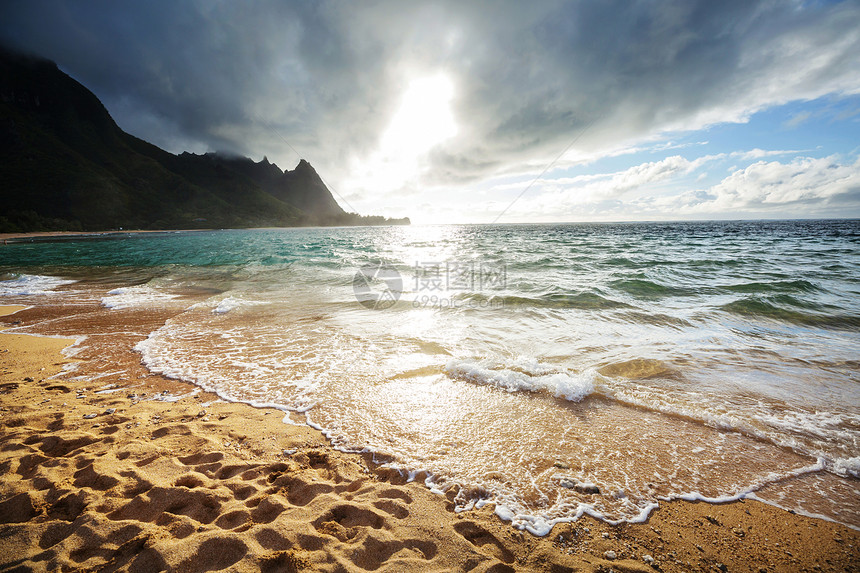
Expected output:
(552, 370)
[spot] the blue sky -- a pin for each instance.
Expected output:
(446, 111)
(817, 136)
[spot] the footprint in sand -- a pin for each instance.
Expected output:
(484, 540)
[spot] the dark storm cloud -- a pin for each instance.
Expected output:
(326, 76)
(637, 67)
(206, 73)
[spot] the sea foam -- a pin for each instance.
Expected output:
(232, 303)
(524, 376)
(25, 285)
(136, 296)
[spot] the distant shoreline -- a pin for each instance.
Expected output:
(44, 235)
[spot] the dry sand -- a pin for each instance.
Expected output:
(118, 481)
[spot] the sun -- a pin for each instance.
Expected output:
(423, 119)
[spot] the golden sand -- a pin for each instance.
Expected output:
(119, 482)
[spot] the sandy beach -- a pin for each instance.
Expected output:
(100, 477)
(430, 286)
(8, 238)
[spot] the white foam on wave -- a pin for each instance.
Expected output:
(817, 424)
(221, 372)
(157, 357)
(136, 296)
(27, 285)
(813, 434)
(748, 491)
(508, 507)
(846, 467)
(800, 511)
(524, 376)
(227, 305)
(512, 376)
(232, 303)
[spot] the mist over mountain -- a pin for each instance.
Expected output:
(68, 166)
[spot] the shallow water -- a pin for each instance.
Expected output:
(530, 364)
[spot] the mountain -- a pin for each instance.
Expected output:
(68, 166)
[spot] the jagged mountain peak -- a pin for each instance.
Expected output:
(68, 166)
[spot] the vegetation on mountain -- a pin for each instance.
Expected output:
(66, 165)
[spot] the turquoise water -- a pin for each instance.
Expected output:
(655, 361)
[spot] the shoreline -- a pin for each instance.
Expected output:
(115, 476)
(39, 236)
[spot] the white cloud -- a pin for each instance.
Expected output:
(767, 186)
(605, 185)
(651, 172)
(797, 119)
(759, 153)
(803, 186)
(567, 196)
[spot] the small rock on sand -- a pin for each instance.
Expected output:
(586, 488)
(90, 416)
(581, 487)
(611, 555)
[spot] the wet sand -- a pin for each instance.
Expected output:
(101, 474)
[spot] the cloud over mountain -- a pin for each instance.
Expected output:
(326, 78)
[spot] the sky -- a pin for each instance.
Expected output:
(490, 111)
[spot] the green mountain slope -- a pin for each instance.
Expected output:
(66, 165)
